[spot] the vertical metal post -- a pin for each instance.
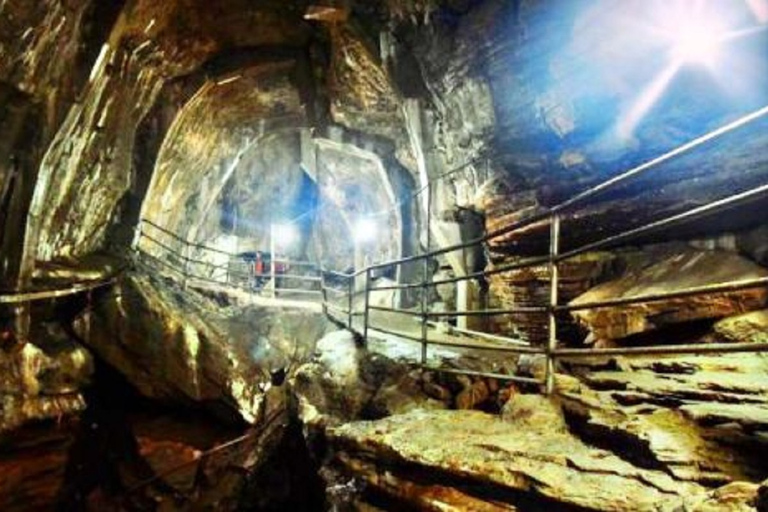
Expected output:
(350, 299)
(367, 311)
(426, 279)
(272, 260)
(137, 234)
(323, 292)
(185, 255)
(554, 277)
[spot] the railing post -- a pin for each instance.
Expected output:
(350, 299)
(272, 260)
(367, 311)
(185, 255)
(425, 281)
(137, 234)
(554, 278)
(323, 293)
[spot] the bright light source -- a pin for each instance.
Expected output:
(697, 41)
(365, 230)
(284, 235)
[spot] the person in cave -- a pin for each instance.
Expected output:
(258, 269)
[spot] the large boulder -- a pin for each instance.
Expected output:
(177, 345)
(682, 270)
(749, 327)
(344, 382)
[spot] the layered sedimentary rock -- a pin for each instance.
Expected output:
(532, 287)
(510, 461)
(704, 418)
(677, 272)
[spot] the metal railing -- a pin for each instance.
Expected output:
(553, 217)
(346, 296)
(280, 277)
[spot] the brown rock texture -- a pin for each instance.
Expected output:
(531, 287)
(42, 380)
(703, 418)
(681, 271)
(184, 347)
(553, 468)
(749, 327)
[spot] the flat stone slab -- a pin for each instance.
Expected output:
(681, 271)
(529, 457)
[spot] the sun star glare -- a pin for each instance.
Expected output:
(697, 42)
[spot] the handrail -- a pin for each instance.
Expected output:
(34, 296)
(585, 195)
(552, 216)
(196, 245)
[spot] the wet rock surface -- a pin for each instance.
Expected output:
(42, 380)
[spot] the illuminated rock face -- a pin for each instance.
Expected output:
(43, 380)
(184, 347)
(677, 272)
(216, 119)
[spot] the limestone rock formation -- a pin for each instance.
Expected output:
(42, 380)
(184, 347)
(219, 121)
(703, 418)
(531, 287)
(345, 381)
(749, 327)
(525, 463)
(678, 272)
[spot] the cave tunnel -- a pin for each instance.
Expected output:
(357, 255)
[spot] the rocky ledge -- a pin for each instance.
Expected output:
(525, 460)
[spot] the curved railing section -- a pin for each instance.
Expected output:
(347, 297)
(554, 218)
(191, 262)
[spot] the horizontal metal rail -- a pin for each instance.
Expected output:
(398, 311)
(486, 348)
(182, 240)
(522, 310)
(732, 286)
(334, 290)
(487, 375)
(298, 277)
(23, 297)
(195, 245)
(695, 213)
(488, 336)
(399, 334)
(661, 350)
(582, 197)
(300, 291)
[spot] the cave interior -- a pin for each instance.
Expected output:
(362, 255)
